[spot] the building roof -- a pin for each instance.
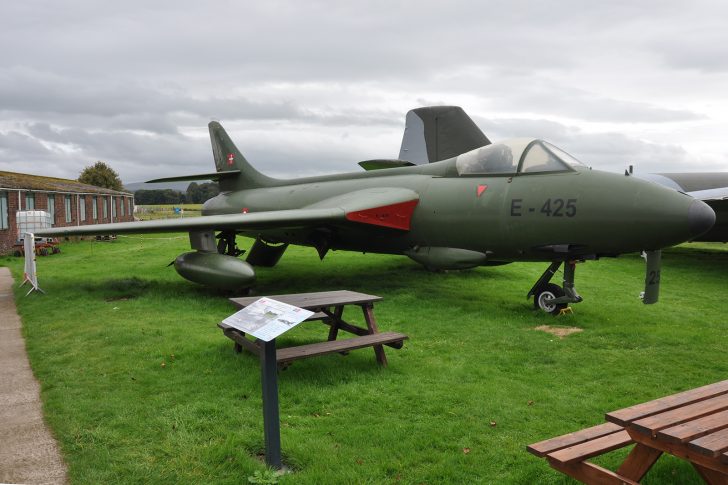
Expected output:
(23, 181)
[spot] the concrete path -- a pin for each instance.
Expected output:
(28, 452)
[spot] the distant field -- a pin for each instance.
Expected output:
(140, 386)
(166, 211)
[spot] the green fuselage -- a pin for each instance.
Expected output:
(518, 217)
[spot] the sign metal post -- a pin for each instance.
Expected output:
(266, 319)
(271, 417)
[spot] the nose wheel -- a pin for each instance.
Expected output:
(550, 297)
(545, 298)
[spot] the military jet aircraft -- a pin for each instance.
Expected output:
(480, 204)
(421, 146)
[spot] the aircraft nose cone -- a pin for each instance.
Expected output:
(700, 218)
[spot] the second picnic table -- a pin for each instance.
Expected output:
(329, 309)
(692, 425)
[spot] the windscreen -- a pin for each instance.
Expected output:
(563, 156)
(539, 159)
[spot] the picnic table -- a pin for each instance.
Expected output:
(692, 425)
(328, 307)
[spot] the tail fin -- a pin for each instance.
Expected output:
(436, 133)
(229, 159)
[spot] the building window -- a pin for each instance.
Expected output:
(122, 206)
(82, 207)
(105, 204)
(29, 201)
(94, 208)
(113, 208)
(68, 208)
(52, 208)
(3, 210)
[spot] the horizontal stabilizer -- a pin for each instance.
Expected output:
(203, 176)
(382, 164)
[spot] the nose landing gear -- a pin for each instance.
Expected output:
(551, 297)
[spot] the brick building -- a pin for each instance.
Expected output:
(69, 202)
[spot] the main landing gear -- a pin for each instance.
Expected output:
(551, 297)
(226, 244)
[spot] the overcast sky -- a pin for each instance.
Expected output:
(307, 87)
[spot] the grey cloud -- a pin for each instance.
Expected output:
(548, 97)
(325, 84)
(16, 146)
(604, 151)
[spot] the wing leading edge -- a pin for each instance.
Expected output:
(387, 207)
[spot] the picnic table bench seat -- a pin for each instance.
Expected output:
(289, 354)
(569, 453)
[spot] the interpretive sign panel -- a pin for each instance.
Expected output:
(266, 318)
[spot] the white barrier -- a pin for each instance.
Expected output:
(29, 274)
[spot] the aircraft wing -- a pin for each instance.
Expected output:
(700, 185)
(388, 207)
(710, 194)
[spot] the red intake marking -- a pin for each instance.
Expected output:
(481, 189)
(396, 216)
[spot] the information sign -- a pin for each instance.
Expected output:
(266, 318)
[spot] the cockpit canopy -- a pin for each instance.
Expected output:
(516, 156)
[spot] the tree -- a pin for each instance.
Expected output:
(208, 190)
(101, 175)
(158, 196)
(197, 194)
(193, 193)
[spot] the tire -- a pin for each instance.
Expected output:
(44, 251)
(17, 253)
(222, 246)
(541, 300)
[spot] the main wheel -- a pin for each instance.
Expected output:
(543, 297)
(222, 245)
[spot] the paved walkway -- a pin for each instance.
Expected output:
(28, 452)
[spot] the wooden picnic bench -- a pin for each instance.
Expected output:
(692, 425)
(328, 307)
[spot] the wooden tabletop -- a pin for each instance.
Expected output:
(692, 425)
(314, 301)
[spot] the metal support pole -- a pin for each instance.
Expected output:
(271, 417)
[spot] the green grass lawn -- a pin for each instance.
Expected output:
(140, 386)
